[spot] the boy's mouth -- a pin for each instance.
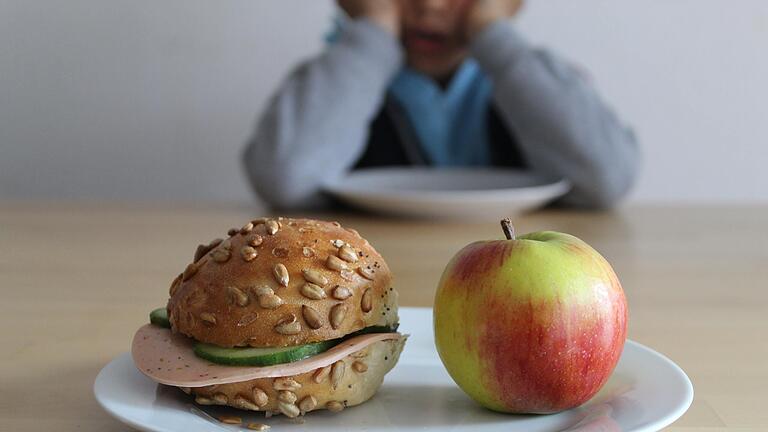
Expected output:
(426, 42)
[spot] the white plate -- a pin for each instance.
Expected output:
(646, 393)
(468, 193)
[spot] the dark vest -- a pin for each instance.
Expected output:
(393, 142)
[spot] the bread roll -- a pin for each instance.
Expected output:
(282, 282)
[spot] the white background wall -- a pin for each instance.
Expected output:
(153, 100)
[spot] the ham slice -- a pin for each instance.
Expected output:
(169, 358)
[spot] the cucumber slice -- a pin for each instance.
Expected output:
(159, 317)
(260, 356)
(273, 356)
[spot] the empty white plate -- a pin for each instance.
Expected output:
(646, 393)
(447, 193)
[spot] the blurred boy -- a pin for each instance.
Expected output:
(437, 83)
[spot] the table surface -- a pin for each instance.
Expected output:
(78, 280)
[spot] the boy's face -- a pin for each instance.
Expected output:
(433, 35)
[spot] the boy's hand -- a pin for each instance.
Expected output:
(382, 12)
(481, 13)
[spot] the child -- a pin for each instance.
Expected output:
(437, 83)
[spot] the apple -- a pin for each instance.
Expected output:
(533, 324)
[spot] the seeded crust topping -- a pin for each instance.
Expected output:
(282, 282)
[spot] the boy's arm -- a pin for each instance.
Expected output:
(315, 127)
(561, 124)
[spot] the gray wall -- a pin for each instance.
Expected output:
(153, 100)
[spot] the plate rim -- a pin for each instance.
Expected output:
(550, 185)
(117, 414)
(683, 405)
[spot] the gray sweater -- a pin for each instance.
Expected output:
(315, 127)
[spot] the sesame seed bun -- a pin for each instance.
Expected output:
(282, 282)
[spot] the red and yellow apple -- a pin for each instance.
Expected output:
(533, 324)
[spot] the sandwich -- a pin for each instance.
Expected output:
(284, 316)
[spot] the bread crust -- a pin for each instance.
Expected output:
(348, 382)
(282, 282)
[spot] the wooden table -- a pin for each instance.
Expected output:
(77, 280)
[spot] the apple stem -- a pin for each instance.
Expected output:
(509, 230)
